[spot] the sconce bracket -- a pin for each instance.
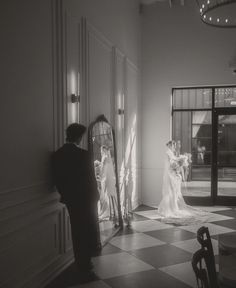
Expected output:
(121, 111)
(75, 98)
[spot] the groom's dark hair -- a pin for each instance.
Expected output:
(74, 132)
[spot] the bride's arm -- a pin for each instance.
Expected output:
(171, 157)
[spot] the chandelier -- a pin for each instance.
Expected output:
(219, 13)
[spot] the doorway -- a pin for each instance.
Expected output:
(224, 155)
(204, 121)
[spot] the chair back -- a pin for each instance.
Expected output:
(200, 264)
(203, 237)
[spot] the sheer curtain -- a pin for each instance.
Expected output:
(198, 118)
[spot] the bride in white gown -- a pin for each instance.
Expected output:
(172, 207)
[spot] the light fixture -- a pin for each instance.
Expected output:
(219, 13)
(75, 98)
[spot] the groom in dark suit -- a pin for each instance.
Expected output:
(76, 183)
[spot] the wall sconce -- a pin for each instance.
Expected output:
(121, 111)
(75, 98)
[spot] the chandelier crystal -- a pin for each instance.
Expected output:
(219, 13)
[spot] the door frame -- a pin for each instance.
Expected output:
(220, 200)
(213, 199)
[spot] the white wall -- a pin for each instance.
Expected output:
(113, 27)
(29, 124)
(28, 207)
(119, 21)
(178, 50)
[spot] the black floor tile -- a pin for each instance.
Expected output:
(171, 235)
(146, 279)
(230, 213)
(126, 230)
(68, 277)
(136, 217)
(227, 223)
(163, 255)
(144, 208)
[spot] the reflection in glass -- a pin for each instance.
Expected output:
(105, 174)
(201, 143)
(103, 154)
(193, 130)
(199, 98)
(225, 97)
(226, 155)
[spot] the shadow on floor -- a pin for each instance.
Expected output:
(68, 277)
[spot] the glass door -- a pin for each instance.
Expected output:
(204, 124)
(225, 156)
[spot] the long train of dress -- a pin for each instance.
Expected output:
(172, 207)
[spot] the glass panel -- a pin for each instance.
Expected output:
(225, 97)
(193, 130)
(104, 168)
(226, 155)
(201, 145)
(177, 99)
(198, 98)
(182, 130)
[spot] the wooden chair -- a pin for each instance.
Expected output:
(203, 237)
(201, 265)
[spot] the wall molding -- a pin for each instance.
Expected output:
(18, 222)
(58, 72)
(26, 194)
(23, 187)
(47, 254)
(91, 31)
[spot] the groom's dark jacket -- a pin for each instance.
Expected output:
(74, 177)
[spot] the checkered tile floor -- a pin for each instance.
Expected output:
(153, 254)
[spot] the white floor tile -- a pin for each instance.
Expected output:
(151, 214)
(183, 272)
(192, 245)
(105, 225)
(118, 264)
(135, 241)
(213, 228)
(149, 225)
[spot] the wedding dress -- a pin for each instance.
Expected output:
(103, 203)
(172, 207)
(108, 188)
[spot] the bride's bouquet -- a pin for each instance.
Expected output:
(181, 165)
(185, 159)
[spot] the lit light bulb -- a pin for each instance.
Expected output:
(208, 2)
(203, 5)
(218, 20)
(204, 16)
(226, 20)
(210, 18)
(201, 10)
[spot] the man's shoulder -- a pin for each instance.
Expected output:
(62, 149)
(70, 148)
